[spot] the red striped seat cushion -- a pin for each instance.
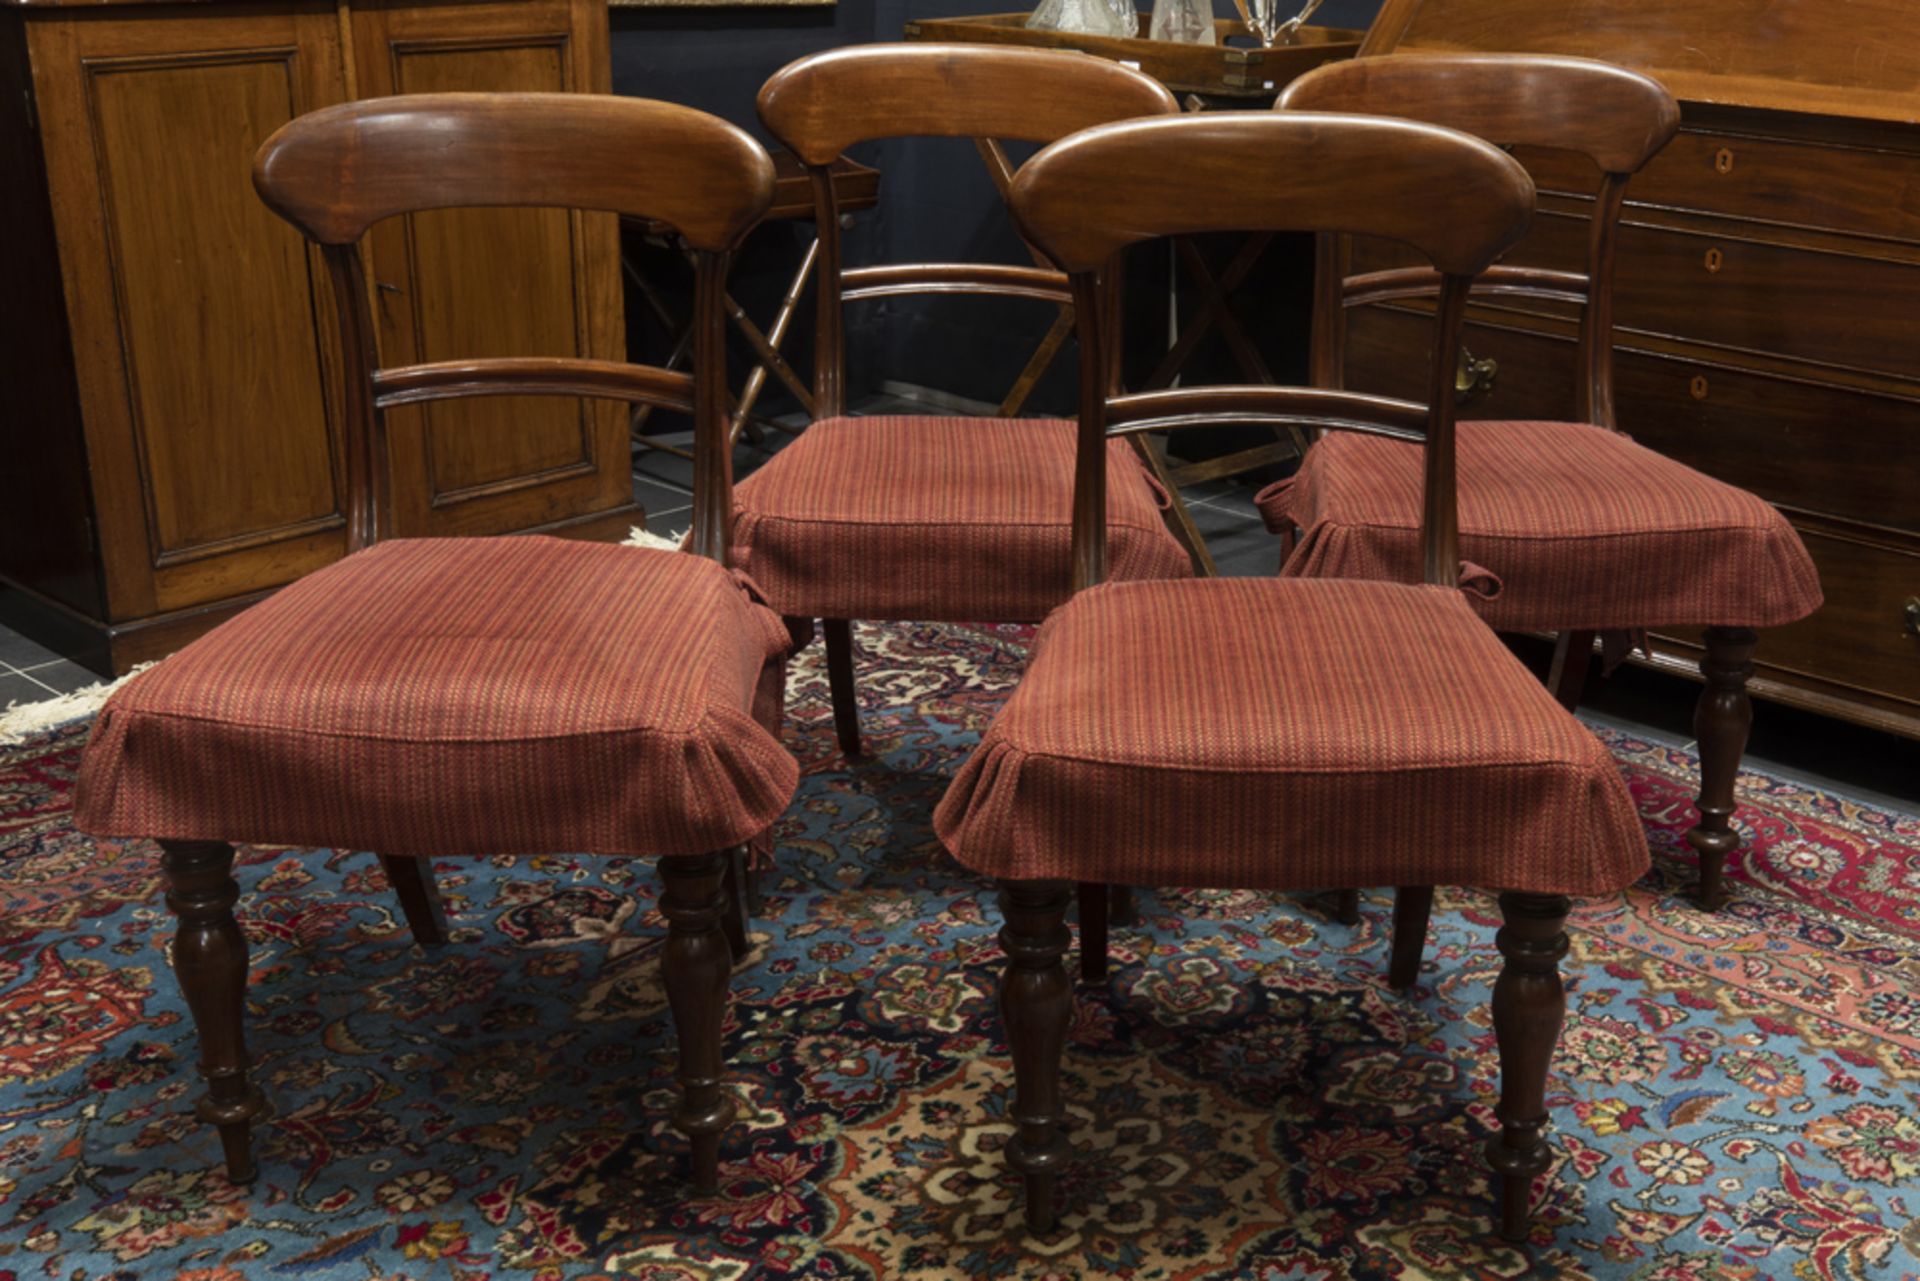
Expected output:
(1288, 734)
(461, 696)
(1584, 528)
(955, 519)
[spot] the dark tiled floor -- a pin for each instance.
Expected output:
(30, 673)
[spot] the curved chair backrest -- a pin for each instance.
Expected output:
(1616, 118)
(335, 172)
(1456, 200)
(823, 104)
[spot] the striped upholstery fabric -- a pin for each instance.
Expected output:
(955, 519)
(1288, 734)
(461, 696)
(1584, 528)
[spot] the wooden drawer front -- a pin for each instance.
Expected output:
(1868, 193)
(1858, 640)
(1773, 436)
(1801, 445)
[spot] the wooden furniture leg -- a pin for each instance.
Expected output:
(695, 968)
(1572, 655)
(210, 961)
(1529, 1006)
(413, 883)
(1346, 906)
(1036, 1000)
(838, 633)
(1412, 909)
(1721, 722)
(1091, 899)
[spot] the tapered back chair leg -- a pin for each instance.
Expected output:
(1412, 909)
(413, 883)
(846, 699)
(210, 960)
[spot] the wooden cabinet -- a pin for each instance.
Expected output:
(1768, 284)
(172, 449)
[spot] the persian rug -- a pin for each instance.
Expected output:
(1735, 1096)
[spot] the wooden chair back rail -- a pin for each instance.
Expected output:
(823, 104)
(533, 376)
(894, 279)
(1497, 281)
(1457, 199)
(1459, 215)
(1617, 118)
(1297, 406)
(335, 172)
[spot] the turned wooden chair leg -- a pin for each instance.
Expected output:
(210, 960)
(1091, 899)
(1529, 1006)
(412, 880)
(1346, 906)
(1567, 678)
(846, 701)
(1722, 719)
(1035, 1002)
(1412, 909)
(733, 919)
(695, 968)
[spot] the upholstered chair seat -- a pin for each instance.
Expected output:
(445, 697)
(1584, 528)
(1282, 752)
(956, 519)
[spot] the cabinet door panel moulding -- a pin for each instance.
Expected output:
(190, 462)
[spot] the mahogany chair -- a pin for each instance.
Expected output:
(1317, 733)
(446, 698)
(1586, 531)
(910, 518)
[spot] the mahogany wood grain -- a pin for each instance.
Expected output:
(1755, 53)
(694, 967)
(1287, 183)
(419, 895)
(1617, 118)
(146, 142)
(822, 105)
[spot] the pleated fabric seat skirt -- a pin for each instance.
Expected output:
(1287, 733)
(1586, 531)
(907, 517)
(445, 698)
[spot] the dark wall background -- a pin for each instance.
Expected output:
(936, 204)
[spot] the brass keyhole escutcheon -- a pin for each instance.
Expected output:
(1698, 387)
(1715, 260)
(1472, 378)
(1913, 615)
(1723, 160)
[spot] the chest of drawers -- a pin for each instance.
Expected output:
(1768, 297)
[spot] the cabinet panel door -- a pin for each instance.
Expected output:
(495, 282)
(202, 329)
